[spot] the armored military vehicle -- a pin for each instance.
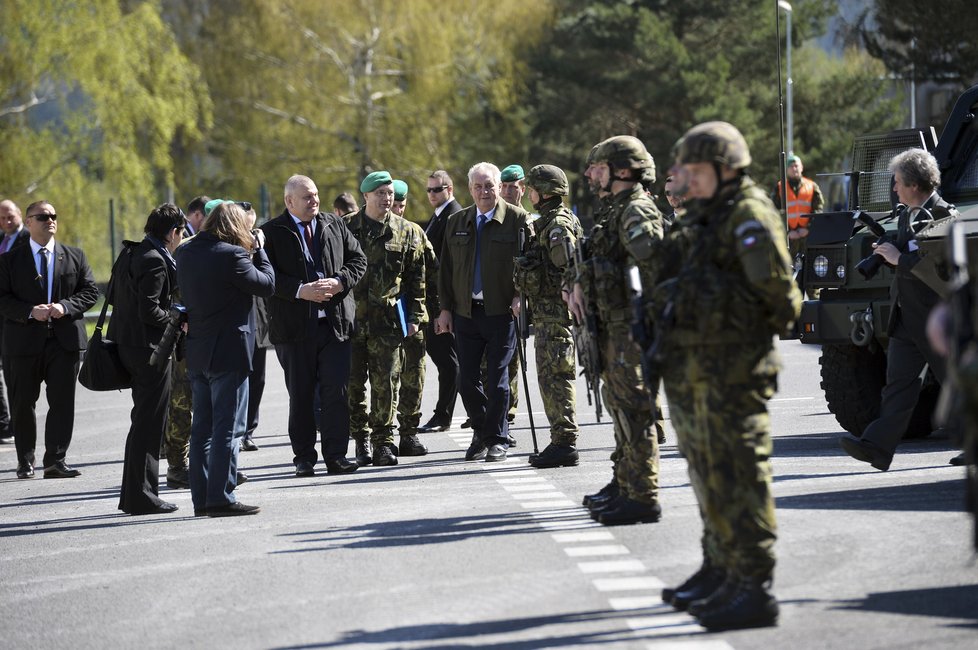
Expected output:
(848, 317)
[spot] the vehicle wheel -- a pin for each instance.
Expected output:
(853, 379)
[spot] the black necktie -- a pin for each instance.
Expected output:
(44, 274)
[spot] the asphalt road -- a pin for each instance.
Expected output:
(437, 552)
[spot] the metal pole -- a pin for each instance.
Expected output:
(112, 230)
(791, 124)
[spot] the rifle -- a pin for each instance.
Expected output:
(649, 341)
(586, 337)
(523, 332)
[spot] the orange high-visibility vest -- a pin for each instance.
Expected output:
(799, 204)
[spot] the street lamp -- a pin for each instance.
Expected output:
(783, 4)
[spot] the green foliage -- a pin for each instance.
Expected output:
(91, 99)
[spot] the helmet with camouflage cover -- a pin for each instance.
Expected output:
(547, 179)
(626, 152)
(592, 154)
(713, 142)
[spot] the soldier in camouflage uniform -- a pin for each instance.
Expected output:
(731, 290)
(539, 276)
(395, 273)
(626, 236)
(413, 347)
(176, 440)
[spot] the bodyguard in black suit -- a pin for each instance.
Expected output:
(143, 281)
(12, 234)
(45, 289)
(441, 348)
(916, 179)
(317, 262)
(221, 270)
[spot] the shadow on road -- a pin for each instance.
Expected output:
(827, 444)
(468, 634)
(941, 602)
(941, 496)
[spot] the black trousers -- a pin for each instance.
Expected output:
(5, 428)
(441, 349)
(58, 369)
(318, 360)
(256, 387)
(150, 401)
(495, 338)
(907, 354)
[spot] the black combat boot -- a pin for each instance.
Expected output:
(716, 598)
(555, 456)
(749, 604)
(696, 587)
(597, 507)
(629, 511)
(178, 478)
(363, 453)
(411, 446)
(606, 493)
(383, 456)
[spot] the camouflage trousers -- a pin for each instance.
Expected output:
(556, 372)
(377, 359)
(411, 384)
(718, 404)
(636, 424)
(176, 440)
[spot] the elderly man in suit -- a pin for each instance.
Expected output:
(317, 262)
(45, 290)
(479, 302)
(12, 233)
(220, 271)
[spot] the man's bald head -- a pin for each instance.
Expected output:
(10, 217)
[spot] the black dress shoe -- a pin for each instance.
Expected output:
(202, 512)
(496, 453)
(383, 456)
(411, 446)
(163, 508)
(629, 511)
(866, 451)
(304, 468)
(363, 456)
(247, 444)
(555, 456)
(467, 424)
(177, 478)
(60, 469)
(434, 424)
(511, 417)
(477, 450)
(233, 510)
(342, 466)
(959, 460)
(6, 439)
(512, 441)
(25, 470)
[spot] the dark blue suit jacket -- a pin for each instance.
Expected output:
(217, 283)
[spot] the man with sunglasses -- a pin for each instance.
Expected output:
(441, 349)
(45, 290)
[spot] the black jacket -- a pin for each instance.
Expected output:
(342, 257)
(436, 227)
(142, 285)
(73, 286)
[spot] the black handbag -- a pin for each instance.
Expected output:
(102, 369)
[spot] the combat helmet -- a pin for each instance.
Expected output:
(626, 152)
(713, 142)
(547, 179)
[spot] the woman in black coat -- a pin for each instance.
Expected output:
(144, 277)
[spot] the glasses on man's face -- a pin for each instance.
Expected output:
(44, 217)
(244, 205)
(436, 190)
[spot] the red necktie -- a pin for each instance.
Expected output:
(307, 231)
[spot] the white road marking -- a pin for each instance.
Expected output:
(552, 494)
(528, 487)
(505, 480)
(611, 566)
(596, 536)
(563, 503)
(603, 549)
(628, 584)
(695, 644)
(637, 602)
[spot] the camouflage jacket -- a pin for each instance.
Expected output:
(539, 270)
(628, 236)
(727, 271)
(395, 270)
(430, 275)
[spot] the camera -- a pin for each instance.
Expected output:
(870, 266)
(163, 351)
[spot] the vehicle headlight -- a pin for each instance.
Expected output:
(840, 271)
(821, 266)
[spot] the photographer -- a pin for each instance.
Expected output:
(221, 268)
(144, 277)
(916, 178)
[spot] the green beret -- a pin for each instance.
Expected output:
(792, 159)
(375, 180)
(512, 173)
(210, 205)
(400, 190)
